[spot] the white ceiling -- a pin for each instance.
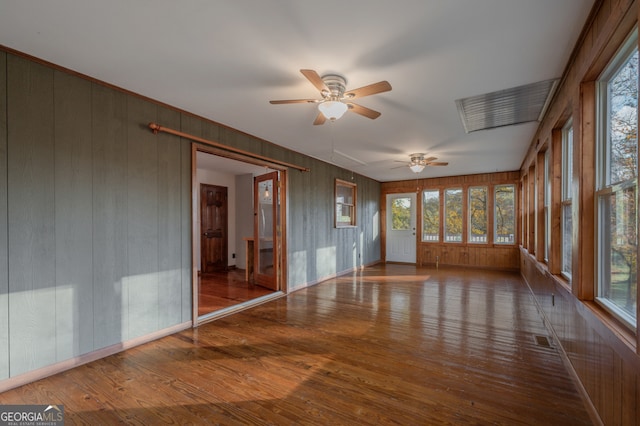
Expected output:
(225, 60)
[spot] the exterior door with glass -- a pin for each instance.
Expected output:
(401, 228)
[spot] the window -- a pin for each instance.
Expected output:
(453, 215)
(566, 221)
(478, 214)
(431, 215)
(616, 185)
(504, 214)
(547, 205)
(345, 207)
(401, 214)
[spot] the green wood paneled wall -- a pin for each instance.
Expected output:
(97, 248)
(4, 261)
(95, 216)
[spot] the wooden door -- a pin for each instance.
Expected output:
(401, 228)
(266, 238)
(213, 228)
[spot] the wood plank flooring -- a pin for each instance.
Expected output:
(220, 290)
(392, 344)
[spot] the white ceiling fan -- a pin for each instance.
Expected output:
(418, 162)
(336, 100)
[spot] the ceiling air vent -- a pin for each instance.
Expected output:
(506, 107)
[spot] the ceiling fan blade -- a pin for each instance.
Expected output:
(315, 79)
(430, 159)
(294, 101)
(367, 112)
(320, 119)
(372, 89)
(400, 167)
(437, 164)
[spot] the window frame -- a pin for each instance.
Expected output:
(546, 205)
(495, 212)
(604, 188)
(566, 198)
(342, 189)
(446, 213)
(439, 234)
(470, 211)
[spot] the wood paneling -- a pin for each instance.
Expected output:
(185, 231)
(73, 216)
(4, 252)
(607, 368)
(169, 221)
(110, 227)
(31, 216)
(140, 286)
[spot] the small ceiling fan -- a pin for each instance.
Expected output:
(336, 100)
(417, 162)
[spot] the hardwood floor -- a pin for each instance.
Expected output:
(392, 344)
(220, 290)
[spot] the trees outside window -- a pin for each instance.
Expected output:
(431, 215)
(453, 215)
(504, 214)
(566, 221)
(478, 214)
(616, 190)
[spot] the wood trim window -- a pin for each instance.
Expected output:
(616, 185)
(345, 204)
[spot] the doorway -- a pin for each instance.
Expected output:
(401, 228)
(233, 252)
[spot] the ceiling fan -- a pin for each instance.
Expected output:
(336, 100)
(417, 162)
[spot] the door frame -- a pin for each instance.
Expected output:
(281, 278)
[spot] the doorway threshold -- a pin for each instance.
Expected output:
(203, 319)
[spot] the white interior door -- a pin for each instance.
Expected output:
(401, 228)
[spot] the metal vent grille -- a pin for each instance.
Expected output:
(542, 341)
(506, 107)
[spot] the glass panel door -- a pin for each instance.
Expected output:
(266, 213)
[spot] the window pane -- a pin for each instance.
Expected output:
(623, 105)
(567, 220)
(401, 214)
(567, 231)
(567, 162)
(547, 207)
(504, 214)
(478, 214)
(431, 215)
(618, 251)
(453, 215)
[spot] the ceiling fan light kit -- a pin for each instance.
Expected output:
(333, 110)
(416, 168)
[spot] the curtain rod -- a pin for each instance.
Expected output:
(155, 128)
